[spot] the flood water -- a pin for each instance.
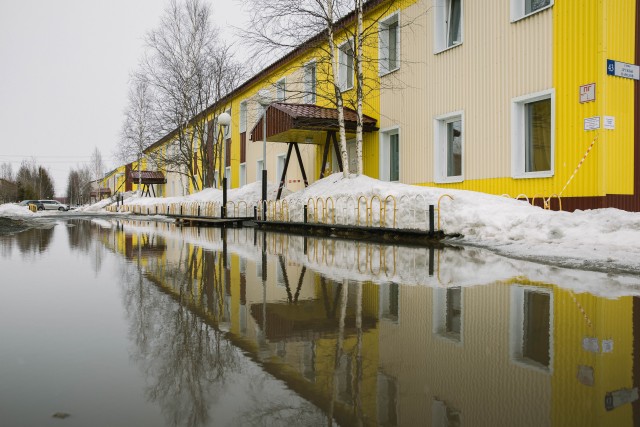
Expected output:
(140, 323)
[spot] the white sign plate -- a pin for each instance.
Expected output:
(588, 93)
(622, 69)
(592, 123)
(609, 122)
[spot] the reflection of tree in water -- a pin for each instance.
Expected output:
(185, 359)
(267, 409)
(34, 241)
(83, 237)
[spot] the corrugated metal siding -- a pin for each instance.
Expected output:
(496, 62)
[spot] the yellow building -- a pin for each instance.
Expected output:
(518, 97)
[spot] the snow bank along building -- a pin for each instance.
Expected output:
(534, 98)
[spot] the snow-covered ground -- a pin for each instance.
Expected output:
(600, 239)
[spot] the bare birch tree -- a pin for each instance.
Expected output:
(188, 68)
(138, 131)
(280, 26)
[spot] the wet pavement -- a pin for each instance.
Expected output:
(124, 322)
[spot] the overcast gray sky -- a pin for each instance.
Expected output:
(64, 72)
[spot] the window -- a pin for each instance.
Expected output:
(243, 116)
(259, 170)
(448, 18)
(449, 147)
(390, 154)
(523, 8)
(310, 83)
(389, 44)
(280, 167)
(227, 174)
(227, 129)
(533, 135)
(531, 320)
(243, 174)
(281, 90)
(345, 66)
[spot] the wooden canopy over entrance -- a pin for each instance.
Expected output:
(295, 124)
(147, 178)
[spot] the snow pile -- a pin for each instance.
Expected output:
(11, 210)
(601, 239)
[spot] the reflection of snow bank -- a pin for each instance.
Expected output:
(450, 267)
(11, 210)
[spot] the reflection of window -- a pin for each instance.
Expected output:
(531, 339)
(389, 44)
(243, 265)
(453, 316)
(243, 319)
(310, 83)
(389, 301)
(280, 276)
(309, 361)
(448, 24)
(259, 268)
(449, 147)
(444, 416)
(533, 135)
(447, 313)
(345, 66)
(387, 400)
(523, 8)
(344, 376)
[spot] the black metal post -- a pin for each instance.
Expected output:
(431, 256)
(198, 210)
(306, 212)
(255, 212)
(223, 212)
(264, 192)
(431, 220)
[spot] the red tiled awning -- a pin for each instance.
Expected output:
(306, 123)
(148, 177)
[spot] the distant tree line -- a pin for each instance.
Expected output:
(32, 181)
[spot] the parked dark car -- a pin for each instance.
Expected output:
(38, 204)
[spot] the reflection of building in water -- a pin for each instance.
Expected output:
(515, 351)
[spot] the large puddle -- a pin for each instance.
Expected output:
(111, 322)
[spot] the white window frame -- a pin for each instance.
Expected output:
(385, 152)
(384, 296)
(310, 85)
(441, 25)
(383, 43)
(227, 129)
(259, 163)
(440, 147)
(517, 10)
(516, 328)
(518, 129)
(243, 116)
(227, 174)
(281, 89)
(243, 174)
(280, 159)
(343, 66)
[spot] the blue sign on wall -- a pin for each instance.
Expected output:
(622, 69)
